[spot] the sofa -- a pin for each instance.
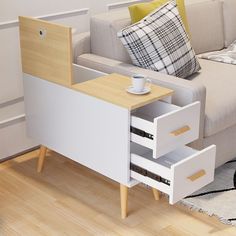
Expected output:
(212, 26)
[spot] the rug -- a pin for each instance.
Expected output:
(219, 197)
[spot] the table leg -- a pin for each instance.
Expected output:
(156, 194)
(42, 154)
(123, 200)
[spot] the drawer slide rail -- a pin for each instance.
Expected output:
(149, 174)
(141, 133)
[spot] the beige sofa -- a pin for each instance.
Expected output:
(213, 27)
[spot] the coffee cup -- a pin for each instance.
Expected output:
(139, 81)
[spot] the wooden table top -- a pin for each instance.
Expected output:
(112, 88)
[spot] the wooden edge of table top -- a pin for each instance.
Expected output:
(112, 88)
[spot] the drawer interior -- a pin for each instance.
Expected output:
(167, 160)
(155, 109)
(142, 122)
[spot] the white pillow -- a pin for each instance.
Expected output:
(159, 42)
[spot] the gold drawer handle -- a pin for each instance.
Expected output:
(197, 175)
(180, 131)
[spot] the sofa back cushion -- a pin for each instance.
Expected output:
(229, 10)
(103, 30)
(206, 25)
(205, 22)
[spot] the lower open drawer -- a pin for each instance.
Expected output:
(178, 173)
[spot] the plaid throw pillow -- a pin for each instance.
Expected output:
(159, 42)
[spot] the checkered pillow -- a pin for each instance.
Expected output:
(159, 42)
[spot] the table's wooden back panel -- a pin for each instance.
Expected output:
(46, 50)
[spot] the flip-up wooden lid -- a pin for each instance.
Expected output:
(46, 50)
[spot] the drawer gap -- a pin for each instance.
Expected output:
(176, 156)
(149, 174)
(168, 160)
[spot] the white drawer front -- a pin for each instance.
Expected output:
(192, 174)
(176, 128)
(182, 171)
(170, 126)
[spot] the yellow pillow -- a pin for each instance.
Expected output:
(140, 10)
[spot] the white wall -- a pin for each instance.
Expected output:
(12, 122)
(13, 137)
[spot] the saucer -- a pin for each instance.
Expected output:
(130, 89)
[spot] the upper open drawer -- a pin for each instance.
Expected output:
(163, 127)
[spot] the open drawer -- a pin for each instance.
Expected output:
(163, 127)
(178, 173)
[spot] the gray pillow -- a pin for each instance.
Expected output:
(159, 42)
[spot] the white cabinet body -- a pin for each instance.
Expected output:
(96, 133)
(88, 130)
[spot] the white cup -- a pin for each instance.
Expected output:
(139, 81)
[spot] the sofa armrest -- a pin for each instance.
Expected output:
(186, 91)
(80, 44)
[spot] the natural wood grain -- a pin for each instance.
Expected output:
(180, 131)
(123, 200)
(112, 88)
(48, 57)
(197, 175)
(69, 199)
(46, 52)
(42, 154)
(172, 231)
(156, 194)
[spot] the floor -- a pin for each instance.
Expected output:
(69, 199)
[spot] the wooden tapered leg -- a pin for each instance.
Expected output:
(156, 194)
(123, 200)
(42, 154)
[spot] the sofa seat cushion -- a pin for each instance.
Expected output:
(220, 82)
